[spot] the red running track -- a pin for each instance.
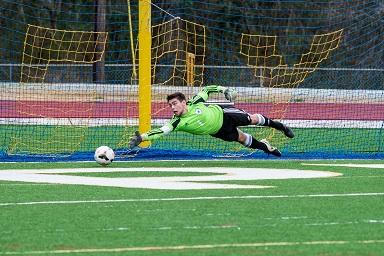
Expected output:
(299, 111)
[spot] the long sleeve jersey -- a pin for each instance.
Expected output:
(198, 119)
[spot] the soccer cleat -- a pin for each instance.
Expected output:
(270, 150)
(287, 131)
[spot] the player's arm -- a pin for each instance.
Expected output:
(203, 95)
(154, 133)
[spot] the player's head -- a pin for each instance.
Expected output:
(178, 103)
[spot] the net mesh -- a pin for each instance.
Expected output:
(40, 103)
(315, 65)
(178, 52)
(262, 55)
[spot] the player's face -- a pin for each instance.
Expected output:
(178, 107)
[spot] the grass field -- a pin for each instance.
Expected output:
(341, 215)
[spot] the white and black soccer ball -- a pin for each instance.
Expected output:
(104, 155)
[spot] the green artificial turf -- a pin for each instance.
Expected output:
(340, 215)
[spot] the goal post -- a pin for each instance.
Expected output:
(145, 92)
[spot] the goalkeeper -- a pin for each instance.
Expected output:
(195, 117)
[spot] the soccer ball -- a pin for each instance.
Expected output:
(104, 155)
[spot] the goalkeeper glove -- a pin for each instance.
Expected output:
(230, 94)
(135, 140)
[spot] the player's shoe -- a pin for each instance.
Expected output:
(270, 150)
(287, 131)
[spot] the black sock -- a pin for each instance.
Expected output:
(258, 145)
(274, 124)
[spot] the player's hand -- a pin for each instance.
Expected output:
(230, 94)
(135, 140)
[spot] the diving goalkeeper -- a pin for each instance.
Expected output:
(194, 117)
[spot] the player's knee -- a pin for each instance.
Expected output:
(245, 139)
(257, 119)
(241, 136)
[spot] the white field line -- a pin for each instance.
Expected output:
(174, 182)
(28, 184)
(192, 247)
(117, 229)
(373, 166)
(190, 199)
(47, 184)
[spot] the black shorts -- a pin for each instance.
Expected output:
(233, 117)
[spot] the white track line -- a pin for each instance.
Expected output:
(191, 247)
(95, 122)
(191, 199)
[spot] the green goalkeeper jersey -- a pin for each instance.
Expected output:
(199, 119)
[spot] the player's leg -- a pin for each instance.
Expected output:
(250, 142)
(233, 118)
(259, 119)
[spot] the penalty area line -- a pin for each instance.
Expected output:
(191, 247)
(189, 199)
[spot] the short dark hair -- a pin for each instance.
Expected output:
(178, 95)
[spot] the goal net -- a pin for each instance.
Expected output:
(316, 66)
(42, 106)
